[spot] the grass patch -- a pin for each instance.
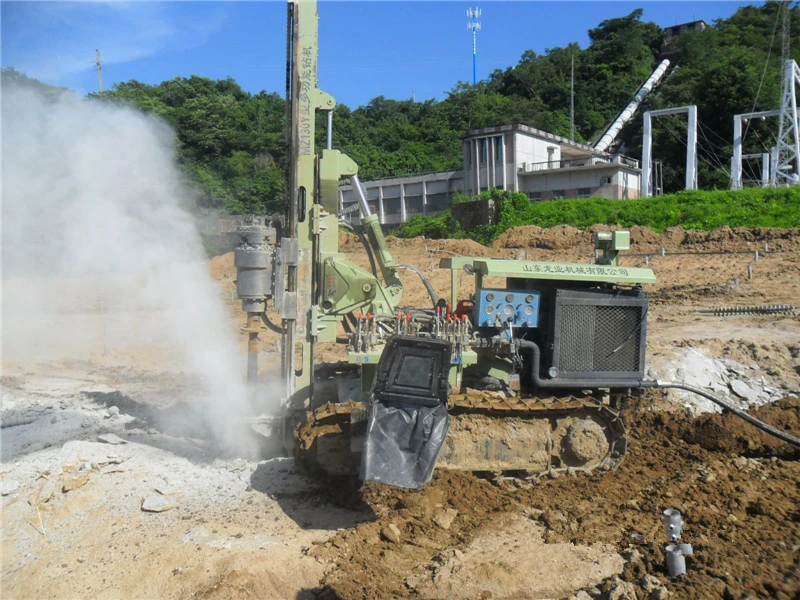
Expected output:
(697, 209)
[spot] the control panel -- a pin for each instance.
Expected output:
(498, 308)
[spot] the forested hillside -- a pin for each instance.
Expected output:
(232, 142)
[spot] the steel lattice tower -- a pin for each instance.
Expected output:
(786, 170)
(787, 164)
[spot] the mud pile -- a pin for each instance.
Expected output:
(736, 487)
(645, 240)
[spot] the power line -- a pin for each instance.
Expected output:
(764, 70)
(707, 161)
(715, 134)
(720, 163)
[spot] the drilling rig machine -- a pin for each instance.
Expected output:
(524, 377)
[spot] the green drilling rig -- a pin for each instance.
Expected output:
(522, 378)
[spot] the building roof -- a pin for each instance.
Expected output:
(565, 143)
(677, 29)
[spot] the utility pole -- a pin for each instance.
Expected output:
(571, 96)
(474, 25)
(99, 71)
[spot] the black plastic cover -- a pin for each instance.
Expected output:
(408, 418)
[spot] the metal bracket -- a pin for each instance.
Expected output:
(325, 101)
(317, 214)
(286, 256)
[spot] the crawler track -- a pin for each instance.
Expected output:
(489, 433)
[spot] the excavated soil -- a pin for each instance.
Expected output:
(737, 491)
(73, 524)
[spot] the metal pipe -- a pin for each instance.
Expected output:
(330, 129)
(613, 130)
(673, 523)
(362, 199)
(676, 563)
(647, 147)
(570, 383)
(253, 329)
(634, 383)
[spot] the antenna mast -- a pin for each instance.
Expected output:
(474, 25)
(99, 71)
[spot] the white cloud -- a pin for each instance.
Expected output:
(54, 40)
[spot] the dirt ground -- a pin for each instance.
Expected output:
(217, 525)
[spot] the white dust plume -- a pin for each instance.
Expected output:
(100, 256)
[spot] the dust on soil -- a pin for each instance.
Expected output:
(243, 529)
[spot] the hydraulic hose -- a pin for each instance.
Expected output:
(425, 281)
(270, 325)
(569, 383)
(765, 427)
(554, 383)
(370, 255)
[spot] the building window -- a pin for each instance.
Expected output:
(499, 150)
(584, 192)
(438, 202)
(559, 194)
(484, 150)
(373, 206)
(535, 196)
(391, 206)
(413, 205)
(605, 180)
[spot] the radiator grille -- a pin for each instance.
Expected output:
(599, 333)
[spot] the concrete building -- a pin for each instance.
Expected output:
(677, 30)
(510, 157)
(396, 199)
(671, 48)
(545, 166)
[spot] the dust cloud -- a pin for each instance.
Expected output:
(101, 255)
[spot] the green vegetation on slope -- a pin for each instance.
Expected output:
(757, 207)
(232, 142)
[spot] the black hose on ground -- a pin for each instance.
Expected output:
(765, 427)
(426, 282)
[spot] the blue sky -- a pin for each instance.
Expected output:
(367, 49)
